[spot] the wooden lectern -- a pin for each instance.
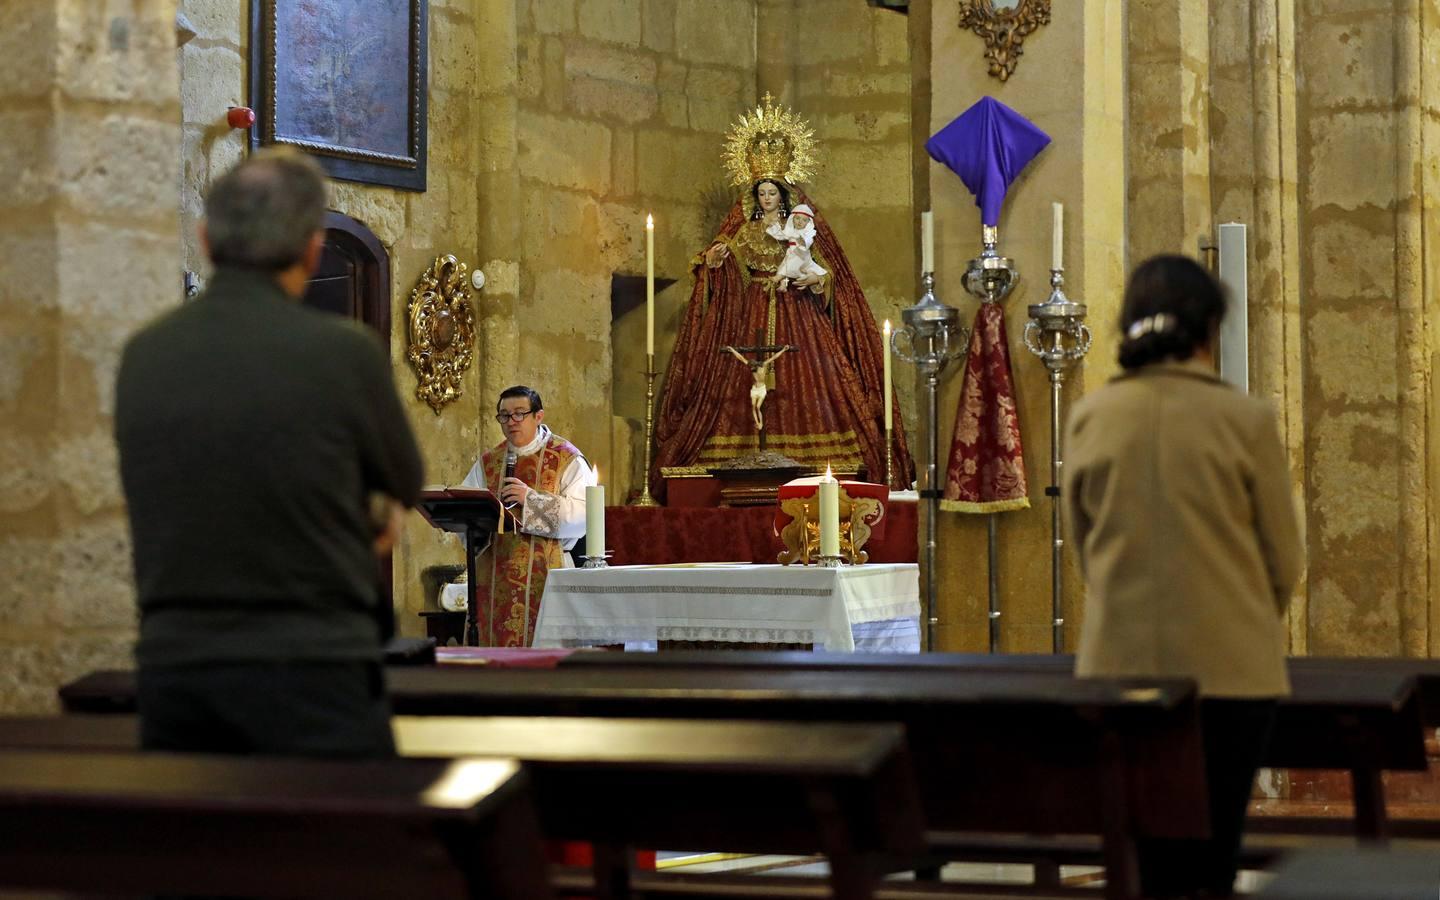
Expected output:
(475, 513)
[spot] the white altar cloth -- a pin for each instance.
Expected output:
(870, 607)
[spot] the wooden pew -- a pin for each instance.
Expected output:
(845, 790)
(993, 753)
(1364, 716)
(124, 822)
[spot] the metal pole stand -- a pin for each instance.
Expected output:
(933, 337)
(645, 499)
(990, 278)
(1057, 334)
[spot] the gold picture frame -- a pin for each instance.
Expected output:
(1003, 25)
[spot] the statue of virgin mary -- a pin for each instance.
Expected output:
(825, 407)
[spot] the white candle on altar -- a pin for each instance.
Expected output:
(1057, 234)
(889, 409)
(649, 286)
(927, 242)
(829, 490)
(595, 519)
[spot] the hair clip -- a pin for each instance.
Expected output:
(1157, 323)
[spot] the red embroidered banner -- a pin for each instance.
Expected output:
(986, 472)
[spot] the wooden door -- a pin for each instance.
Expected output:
(353, 280)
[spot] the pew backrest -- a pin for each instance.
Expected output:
(165, 823)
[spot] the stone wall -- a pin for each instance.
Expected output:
(1070, 82)
(555, 126)
(1365, 108)
(846, 67)
(89, 249)
(621, 111)
(1318, 121)
(414, 227)
(1253, 179)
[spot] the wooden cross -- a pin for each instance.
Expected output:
(765, 356)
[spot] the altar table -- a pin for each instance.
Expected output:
(873, 607)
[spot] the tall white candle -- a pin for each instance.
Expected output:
(595, 519)
(649, 286)
(889, 409)
(927, 242)
(829, 490)
(1057, 234)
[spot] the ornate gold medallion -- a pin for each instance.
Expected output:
(442, 331)
(1003, 25)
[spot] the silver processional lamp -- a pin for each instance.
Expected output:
(931, 338)
(1057, 334)
(990, 278)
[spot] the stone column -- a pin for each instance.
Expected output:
(1168, 126)
(1070, 82)
(1253, 180)
(90, 250)
(1361, 129)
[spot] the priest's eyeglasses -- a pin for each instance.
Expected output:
(516, 416)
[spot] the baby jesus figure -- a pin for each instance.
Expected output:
(798, 233)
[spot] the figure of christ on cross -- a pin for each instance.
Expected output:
(760, 371)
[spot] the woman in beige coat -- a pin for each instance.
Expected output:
(1177, 494)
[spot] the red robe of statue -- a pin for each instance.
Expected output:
(825, 406)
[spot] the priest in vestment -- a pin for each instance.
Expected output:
(547, 490)
(827, 404)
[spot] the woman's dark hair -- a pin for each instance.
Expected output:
(521, 390)
(784, 198)
(1172, 306)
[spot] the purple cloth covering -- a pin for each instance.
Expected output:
(987, 145)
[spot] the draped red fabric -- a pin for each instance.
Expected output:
(825, 405)
(986, 472)
(639, 535)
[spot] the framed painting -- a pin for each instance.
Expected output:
(346, 81)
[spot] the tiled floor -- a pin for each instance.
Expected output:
(980, 873)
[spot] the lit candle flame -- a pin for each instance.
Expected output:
(828, 475)
(649, 221)
(887, 326)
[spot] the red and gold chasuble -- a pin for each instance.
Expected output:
(507, 597)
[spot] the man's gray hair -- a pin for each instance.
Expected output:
(262, 213)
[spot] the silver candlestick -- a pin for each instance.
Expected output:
(1057, 334)
(931, 338)
(991, 277)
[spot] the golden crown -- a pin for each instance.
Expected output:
(773, 142)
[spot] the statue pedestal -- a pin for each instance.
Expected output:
(755, 479)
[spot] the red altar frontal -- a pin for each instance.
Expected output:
(638, 535)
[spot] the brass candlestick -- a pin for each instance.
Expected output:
(889, 453)
(645, 499)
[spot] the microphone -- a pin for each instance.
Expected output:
(509, 471)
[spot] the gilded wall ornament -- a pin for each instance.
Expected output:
(442, 331)
(1003, 25)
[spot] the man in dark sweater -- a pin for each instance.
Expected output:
(257, 438)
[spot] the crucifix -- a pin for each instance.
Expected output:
(760, 371)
